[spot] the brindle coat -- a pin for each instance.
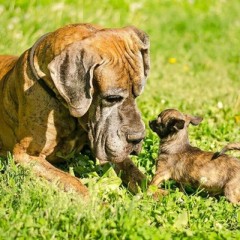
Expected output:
(178, 160)
(75, 86)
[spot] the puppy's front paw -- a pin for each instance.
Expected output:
(159, 193)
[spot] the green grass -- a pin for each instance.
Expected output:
(195, 62)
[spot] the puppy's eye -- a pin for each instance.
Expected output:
(113, 99)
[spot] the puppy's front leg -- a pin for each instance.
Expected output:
(162, 173)
(44, 169)
(130, 175)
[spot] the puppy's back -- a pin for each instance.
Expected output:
(199, 168)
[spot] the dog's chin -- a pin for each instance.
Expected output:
(110, 159)
(113, 157)
(117, 158)
(107, 154)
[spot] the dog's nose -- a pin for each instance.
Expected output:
(135, 138)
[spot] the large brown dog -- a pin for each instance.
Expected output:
(75, 86)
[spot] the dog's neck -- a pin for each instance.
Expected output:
(174, 144)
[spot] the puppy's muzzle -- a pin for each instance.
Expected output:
(153, 124)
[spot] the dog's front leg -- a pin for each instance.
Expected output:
(43, 168)
(130, 175)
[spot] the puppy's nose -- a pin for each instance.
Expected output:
(135, 138)
(152, 123)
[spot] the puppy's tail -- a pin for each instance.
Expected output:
(228, 147)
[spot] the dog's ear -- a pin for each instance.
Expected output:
(72, 74)
(176, 124)
(144, 48)
(144, 44)
(194, 120)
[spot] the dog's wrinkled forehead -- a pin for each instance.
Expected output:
(168, 114)
(122, 65)
(113, 79)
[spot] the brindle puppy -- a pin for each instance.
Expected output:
(178, 160)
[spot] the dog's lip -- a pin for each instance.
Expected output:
(102, 161)
(114, 158)
(109, 151)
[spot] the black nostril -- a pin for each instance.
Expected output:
(134, 153)
(136, 141)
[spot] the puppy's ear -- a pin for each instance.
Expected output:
(72, 74)
(194, 120)
(176, 124)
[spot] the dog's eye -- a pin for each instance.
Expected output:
(113, 99)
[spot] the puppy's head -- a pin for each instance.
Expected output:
(171, 121)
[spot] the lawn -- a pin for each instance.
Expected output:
(195, 63)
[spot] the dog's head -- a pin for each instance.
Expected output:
(171, 121)
(99, 75)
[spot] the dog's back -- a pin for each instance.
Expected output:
(7, 62)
